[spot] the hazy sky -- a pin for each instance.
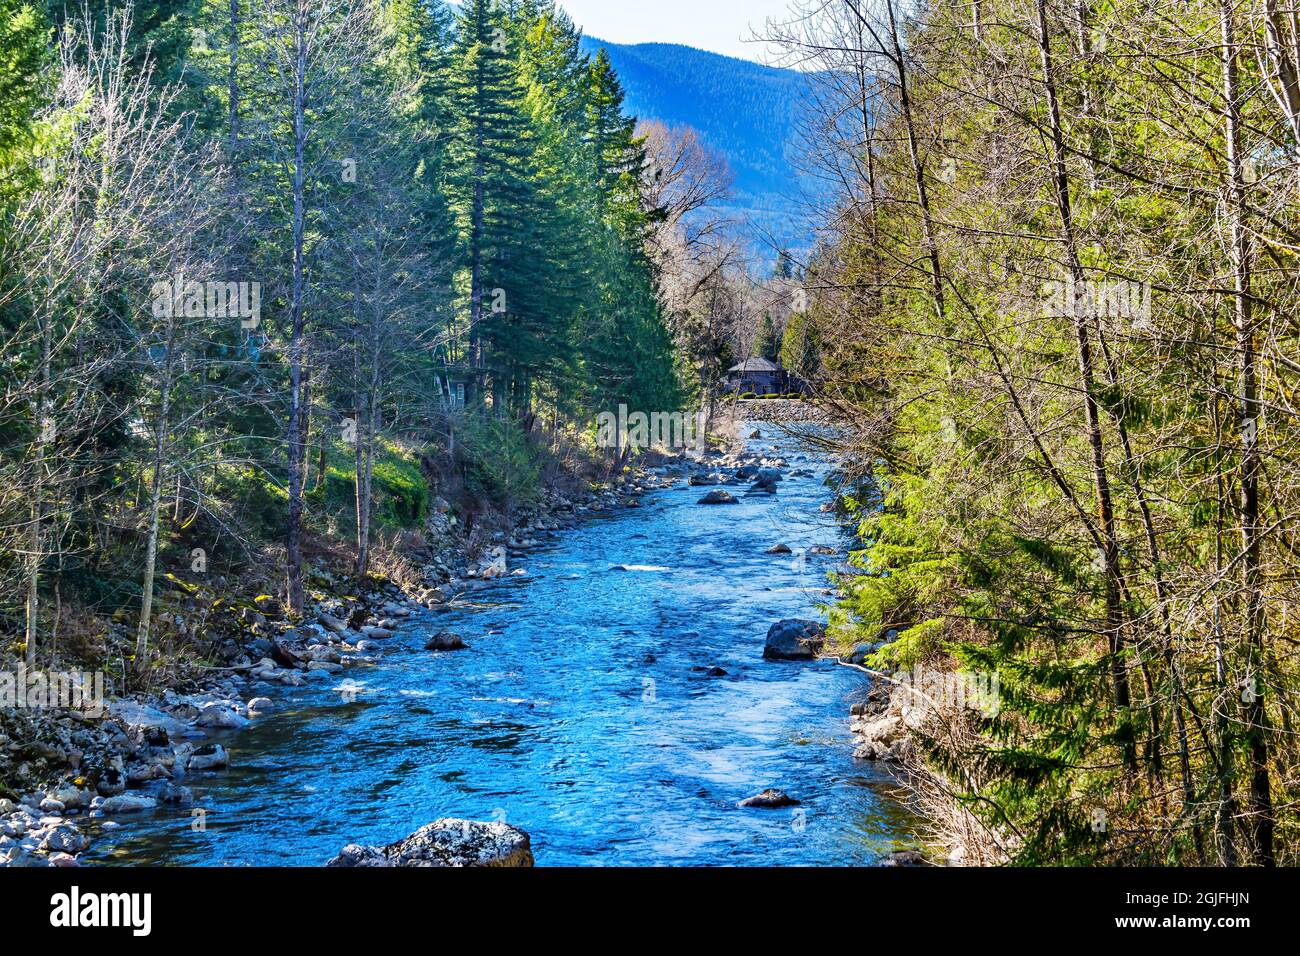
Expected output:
(716, 25)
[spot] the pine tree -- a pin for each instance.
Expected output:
(767, 345)
(490, 181)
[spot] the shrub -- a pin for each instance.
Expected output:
(499, 459)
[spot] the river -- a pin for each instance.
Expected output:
(583, 713)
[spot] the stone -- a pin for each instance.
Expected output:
(331, 623)
(770, 799)
(446, 641)
(794, 640)
(779, 549)
(260, 705)
(221, 715)
(145, 719)
(454, 843)
(719, 497)
(127, 803)
(208, 757)
(111, 782)
(65, 839)
(176, 796)
(71, 797)
(905, 858)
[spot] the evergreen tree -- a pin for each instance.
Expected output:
(490, 183)
(799, 353)
(767, 345)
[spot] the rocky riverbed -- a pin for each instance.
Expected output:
(165, 761)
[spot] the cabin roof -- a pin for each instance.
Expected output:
(756, 365)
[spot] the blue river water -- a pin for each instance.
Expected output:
(583, 713)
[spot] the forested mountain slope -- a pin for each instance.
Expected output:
(745, 111)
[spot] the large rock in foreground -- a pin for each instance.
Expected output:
(446, 843)
(794, 640)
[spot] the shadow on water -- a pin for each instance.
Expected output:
(583, 712)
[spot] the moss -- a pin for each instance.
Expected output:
(400, 494)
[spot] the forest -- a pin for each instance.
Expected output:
(1058, 291)
(256, 258)
(311, 312)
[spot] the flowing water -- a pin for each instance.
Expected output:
(583, 713)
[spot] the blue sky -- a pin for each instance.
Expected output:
(716, 25)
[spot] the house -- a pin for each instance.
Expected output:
(454, 383)
(757, 375)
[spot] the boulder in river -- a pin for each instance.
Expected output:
(446, 641)
(794, 640)
(770, 799)
(221, 715)
(446, 843)
(719, 497)
(779, 549)
(208, 757)
(126, 803)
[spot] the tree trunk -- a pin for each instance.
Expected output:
(914, 151)
(296, 450)
(44, 435)
(1260, 819)
(232, 88)
(155, 502)
(1101, 480)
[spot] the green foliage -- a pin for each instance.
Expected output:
(766, 346)
(491, 231)
(400, 490)
(799, 351)
(23, 57)
(499, 460)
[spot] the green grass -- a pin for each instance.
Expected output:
(400, 493)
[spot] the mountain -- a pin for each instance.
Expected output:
(745, 111)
